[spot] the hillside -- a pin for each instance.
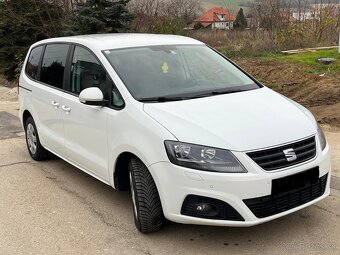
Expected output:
(231, 4)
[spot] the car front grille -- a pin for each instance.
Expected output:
(276, 203)
(274, 158)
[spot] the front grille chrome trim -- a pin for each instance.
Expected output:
(273, 158)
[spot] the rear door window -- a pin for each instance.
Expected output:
(33, 62)
(53, 65)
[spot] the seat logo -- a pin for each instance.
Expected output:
(290, 154)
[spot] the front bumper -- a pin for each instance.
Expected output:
(175, 183)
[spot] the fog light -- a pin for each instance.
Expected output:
(209, 208)
(206, 209)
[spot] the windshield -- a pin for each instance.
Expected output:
(177, 72)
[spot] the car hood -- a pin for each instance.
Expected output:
(241, 121)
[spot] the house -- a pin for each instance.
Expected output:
(314, 11)
(304, 15)
(215, 18)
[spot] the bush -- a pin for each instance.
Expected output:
(168, 26)
(238, 42)
(198, 26)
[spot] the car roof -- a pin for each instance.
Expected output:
(123, 40)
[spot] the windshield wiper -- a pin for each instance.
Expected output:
(192, 96)
(217, 92)
(163, 99)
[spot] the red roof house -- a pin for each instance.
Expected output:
(216, 18)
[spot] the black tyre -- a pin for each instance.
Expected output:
(34, 147)
(148, 212)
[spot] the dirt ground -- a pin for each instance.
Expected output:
(320, 94)
(8, 94)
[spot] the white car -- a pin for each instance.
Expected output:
(195, 138)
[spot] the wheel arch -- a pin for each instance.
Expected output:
(26, 114)
(120, 171)
(121, 179)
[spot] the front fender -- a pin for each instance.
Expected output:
(136, 133)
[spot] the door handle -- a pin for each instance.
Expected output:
(66, 109)
(55, 104)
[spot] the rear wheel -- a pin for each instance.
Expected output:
(147, 206)
(36, 150)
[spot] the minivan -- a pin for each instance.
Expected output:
(195, 138)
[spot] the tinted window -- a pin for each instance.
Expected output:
(87, 72)
(53, 64)
(33, 62)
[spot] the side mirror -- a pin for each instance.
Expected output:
(92, 96)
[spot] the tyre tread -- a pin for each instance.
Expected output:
(149, 208)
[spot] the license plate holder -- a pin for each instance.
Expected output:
(295, 181)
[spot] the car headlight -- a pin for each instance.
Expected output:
(203, 158)
(322, 137)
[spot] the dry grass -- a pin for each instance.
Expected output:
(238, 42)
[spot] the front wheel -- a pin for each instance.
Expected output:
(147, 207)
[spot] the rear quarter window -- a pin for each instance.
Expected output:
(33, 62)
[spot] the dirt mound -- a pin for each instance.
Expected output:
(320, 94)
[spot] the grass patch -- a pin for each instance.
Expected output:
(245, 53)
(310, 60)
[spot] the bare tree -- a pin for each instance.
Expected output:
(149, 12)
(184, 10)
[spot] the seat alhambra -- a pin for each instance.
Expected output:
(195, 138)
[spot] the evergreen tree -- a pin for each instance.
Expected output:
(198, 26)
(241, 21)
(98, 16)
(22, 23)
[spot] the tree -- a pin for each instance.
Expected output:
(98, 16)
(241, 21)
(22, 23)
(183, 10)
(150, 13)
(198, 25)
